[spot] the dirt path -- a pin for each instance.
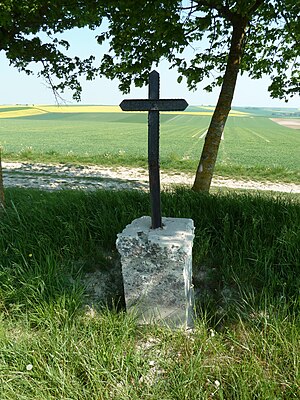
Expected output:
(61, 176)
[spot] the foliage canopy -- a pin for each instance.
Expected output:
(27, 34)
(228, 37)
(142, 33)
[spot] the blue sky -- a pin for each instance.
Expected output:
(18, 88)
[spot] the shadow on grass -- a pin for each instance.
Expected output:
(58, 249)
(68, 177)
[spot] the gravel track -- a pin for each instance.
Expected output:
(62, 176)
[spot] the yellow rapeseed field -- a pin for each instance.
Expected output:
(233, 113)
(41, 109)
(20, 113)
(81, 109)
(108, 109)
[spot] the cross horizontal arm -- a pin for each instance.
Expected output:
(154, 105)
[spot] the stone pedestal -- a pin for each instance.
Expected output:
(157, 270)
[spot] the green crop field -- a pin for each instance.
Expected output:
(252, 144)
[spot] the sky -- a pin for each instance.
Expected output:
(18, 88)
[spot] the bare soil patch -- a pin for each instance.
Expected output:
(289, 123)
(88, 177)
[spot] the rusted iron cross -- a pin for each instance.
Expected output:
(154, 105)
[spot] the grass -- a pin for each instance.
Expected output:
(254, 147)
(246, 263)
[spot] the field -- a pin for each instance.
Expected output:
(253, 145)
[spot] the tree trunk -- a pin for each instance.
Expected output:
(209, 154)
(2, 197)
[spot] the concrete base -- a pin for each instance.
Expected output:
(157, 270)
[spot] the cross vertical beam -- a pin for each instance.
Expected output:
(153, 153)
(154, 105)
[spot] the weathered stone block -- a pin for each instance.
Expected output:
(157, 270)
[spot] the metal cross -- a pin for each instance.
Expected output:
(154, 105)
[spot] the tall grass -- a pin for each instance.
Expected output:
(246, 340)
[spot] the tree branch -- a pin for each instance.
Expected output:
(255, 6)
(190, 7)
(58, 98)
(223, 10)
(291, 31)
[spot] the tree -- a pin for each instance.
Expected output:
(28, 34)
(254, 36)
